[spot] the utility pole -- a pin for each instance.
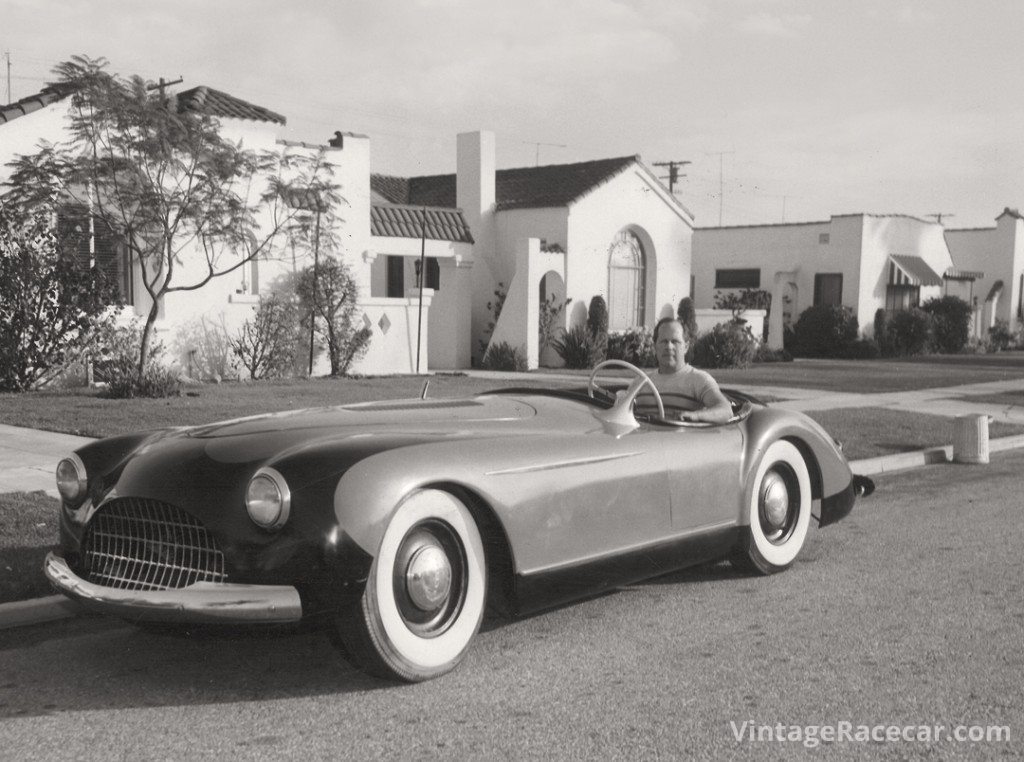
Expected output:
(673, 172)
(7, 55)
(939, 215)
(162, 85)
(721, 185)
(537, 145)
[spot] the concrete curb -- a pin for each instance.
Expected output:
(56, 607)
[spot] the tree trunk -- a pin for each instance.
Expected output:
(147, 334)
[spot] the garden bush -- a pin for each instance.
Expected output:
(999, 337)
(687, 315)
(727, 345)
(335, 312)
(635, 345)
(951, 323)
(268, 343)
(824, 332)
(206, 350)
(51, 302)
(597, 328)
(504, 356)
(882, 335)
(766, 354)
(574, 347)
(116, 364)
(863, 349)
(910, 332)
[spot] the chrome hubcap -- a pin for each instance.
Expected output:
(428, 577)
(775, 500)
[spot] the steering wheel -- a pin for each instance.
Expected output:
(641, 380)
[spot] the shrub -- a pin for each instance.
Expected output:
(1000, 338)
(910, 332)
(117, 364)
(863, 349)
(267, 344)
(635, 345)
(727, 345)
(548, 328)
(50, 301)
(208, 350)
(597, 329)
(824, 332)
(882, 335)
(335, 312)
(687, 315)
(574, 347)
(766, 354)
(951, 323)
(504, 356)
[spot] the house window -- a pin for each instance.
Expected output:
(901, 297)
(433, 274)
(750, 278)
(395, 277)
(99, 246)
(627, 273)
(828, 290)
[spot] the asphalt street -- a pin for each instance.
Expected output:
(908, 613)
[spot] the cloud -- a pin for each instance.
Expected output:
(769, 25)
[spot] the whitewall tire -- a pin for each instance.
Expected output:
(425, 596)
(778, 510)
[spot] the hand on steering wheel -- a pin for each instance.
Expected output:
(641, 380)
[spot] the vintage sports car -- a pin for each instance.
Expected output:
(398, 522)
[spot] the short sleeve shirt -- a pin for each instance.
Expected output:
(687, 389)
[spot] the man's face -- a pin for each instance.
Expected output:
(671, 348)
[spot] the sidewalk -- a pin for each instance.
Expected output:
(28, 458)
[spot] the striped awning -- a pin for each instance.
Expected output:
(905, 270)
(953, 274)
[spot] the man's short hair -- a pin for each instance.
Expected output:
(663, 321)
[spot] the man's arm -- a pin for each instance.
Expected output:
(717, 409)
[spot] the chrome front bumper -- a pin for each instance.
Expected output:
(200, 603)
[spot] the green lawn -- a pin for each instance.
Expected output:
(28, 529)
(867, 432)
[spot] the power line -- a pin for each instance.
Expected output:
(673, 172)
(939, 215)
(721, 187)
(538, 144)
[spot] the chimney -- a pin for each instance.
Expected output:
(474, 183)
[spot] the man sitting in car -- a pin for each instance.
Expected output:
(688, 393)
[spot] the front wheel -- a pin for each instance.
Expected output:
(779, 510)
(424, 597)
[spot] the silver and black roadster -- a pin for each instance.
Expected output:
(399, 522)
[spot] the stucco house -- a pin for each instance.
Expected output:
(568, 231)
(862, 261)
(997, 255)
(227, 301)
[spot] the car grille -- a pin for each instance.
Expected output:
(136, 544)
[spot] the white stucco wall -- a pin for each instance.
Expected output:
(999, 253)
(22, 135)
(896, 234)
(629, 201)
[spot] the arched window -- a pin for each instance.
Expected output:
(627, 273)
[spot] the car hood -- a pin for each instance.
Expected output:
(397, 415)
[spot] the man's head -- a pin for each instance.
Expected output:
(670, 345)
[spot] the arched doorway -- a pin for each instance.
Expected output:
(627, 278)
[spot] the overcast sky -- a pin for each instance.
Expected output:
(810, 107)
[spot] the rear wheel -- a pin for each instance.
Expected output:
(779, 511)
(424, 598)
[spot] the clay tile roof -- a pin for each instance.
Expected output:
(49, 94)
(405, 221)
(526, 187)
(217, 103)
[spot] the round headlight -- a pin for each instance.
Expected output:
(268, 499)
(71, 479)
